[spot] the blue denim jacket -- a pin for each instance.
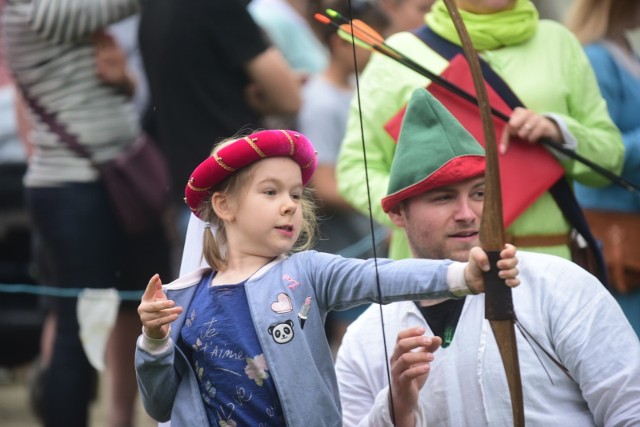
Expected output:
(299, 357)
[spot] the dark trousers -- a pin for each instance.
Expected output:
(81, 245)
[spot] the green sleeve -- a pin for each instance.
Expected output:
(385, 86)
(599, 140)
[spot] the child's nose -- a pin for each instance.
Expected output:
(289, 207)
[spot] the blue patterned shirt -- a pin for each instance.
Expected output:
(220, 339)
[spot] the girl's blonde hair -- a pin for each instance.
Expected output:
(215, 240)
(592, 20)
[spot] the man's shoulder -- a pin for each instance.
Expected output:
(547, 265)
(529, 257)
(550, 31)
(549, 275)
(555, 27)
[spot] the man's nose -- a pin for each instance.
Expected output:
(465, 211)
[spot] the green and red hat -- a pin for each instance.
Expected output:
(237, 154)
(433, 150)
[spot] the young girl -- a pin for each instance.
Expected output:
(247, 344)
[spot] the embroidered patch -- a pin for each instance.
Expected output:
(282, 333)
(283, 304)
(293, 283)
(304, 310)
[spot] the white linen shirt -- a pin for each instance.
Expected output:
(565, 309)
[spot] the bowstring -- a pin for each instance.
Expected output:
(371, 222)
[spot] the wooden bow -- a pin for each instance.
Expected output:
(498, 299)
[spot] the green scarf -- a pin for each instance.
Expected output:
(490, 31)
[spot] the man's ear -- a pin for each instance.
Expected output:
(396, 214)
(222, 206)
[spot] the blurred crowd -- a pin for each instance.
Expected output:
(191, 74)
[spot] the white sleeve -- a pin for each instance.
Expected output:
(601, 333)
(595, 341)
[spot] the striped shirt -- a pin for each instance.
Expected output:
(49, 49)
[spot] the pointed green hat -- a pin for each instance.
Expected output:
(433, 150)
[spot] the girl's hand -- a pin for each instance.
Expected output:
(530, 127)
(479, 263)
(156, 311)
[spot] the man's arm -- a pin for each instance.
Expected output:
(23, 122)
(595, 341)
(69, 20)
(275, 88)
(598, 139)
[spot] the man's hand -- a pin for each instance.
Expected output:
(410, 365)
(479, 263)
(156, 311)
(274, 88)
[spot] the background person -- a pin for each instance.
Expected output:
(210, 72)
(50, 49)
(614, 212)
(541, 62)
(323, 119)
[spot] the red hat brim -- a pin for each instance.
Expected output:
(456, 170)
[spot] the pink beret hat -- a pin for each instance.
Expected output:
(244, 151)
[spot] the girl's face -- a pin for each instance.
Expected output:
(267, 216)
(482, 7)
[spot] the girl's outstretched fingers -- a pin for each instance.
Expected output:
(153, 291)
(156, 311)
(508, 266)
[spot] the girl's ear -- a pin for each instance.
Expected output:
(223, 207)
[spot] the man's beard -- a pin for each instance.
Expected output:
(444, 250)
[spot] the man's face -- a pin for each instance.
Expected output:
(443, 222)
